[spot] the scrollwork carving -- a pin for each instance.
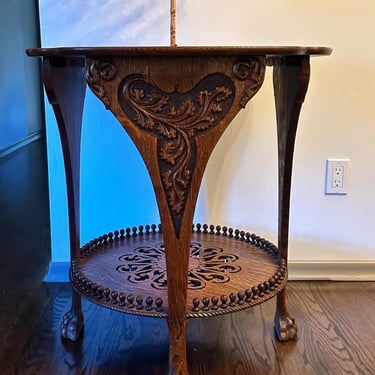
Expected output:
(207, 264)
(252, 70)
(176, 119)
(98, 70)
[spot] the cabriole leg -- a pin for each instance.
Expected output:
(65, 84)
(291, 76)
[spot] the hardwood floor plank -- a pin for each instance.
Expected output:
(324, 314)
(351, 322)
(236, 344)
(24, 246)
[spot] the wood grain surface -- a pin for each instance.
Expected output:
(226, 274)
(336, 328)
(179, 50)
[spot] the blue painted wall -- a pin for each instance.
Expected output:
(116, 191)
(20, 105)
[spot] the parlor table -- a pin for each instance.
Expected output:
(175, 103)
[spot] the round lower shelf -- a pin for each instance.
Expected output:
(229, 270)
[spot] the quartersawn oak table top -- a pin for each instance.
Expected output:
(179, 51)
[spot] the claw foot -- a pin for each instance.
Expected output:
(286, 328)
(71, 326)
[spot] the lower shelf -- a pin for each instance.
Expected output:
(229, 270)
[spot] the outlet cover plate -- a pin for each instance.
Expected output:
(337, 176)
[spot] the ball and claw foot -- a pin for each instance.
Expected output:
(71, 326)
(286, 328)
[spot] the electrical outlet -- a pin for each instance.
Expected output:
(337, 176)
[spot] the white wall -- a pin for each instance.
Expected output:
(337, 121)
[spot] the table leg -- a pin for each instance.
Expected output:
(177, 294)
(72, 324)
(64, 80)
(291, 78)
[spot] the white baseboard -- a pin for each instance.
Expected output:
(332, 270)
(21, 143)
(298, 270)
(58, 272)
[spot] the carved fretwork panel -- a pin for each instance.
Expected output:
(175, 123)
(210, 264)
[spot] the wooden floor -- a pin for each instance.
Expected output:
(336, 319)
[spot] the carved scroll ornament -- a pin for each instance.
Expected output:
(176, 119)
(251, 70)
(98, 70)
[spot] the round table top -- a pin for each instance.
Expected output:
(179, 51)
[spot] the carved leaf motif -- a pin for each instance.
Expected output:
(223, 92)
(145, 122)
(167, 153)
(216, 108)
(184, 180)
(175, 199)
(203, 96)
(157, 102)
(167, 179)
(187, 110)
(166, 131)
(176, 119)
(139, 94)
